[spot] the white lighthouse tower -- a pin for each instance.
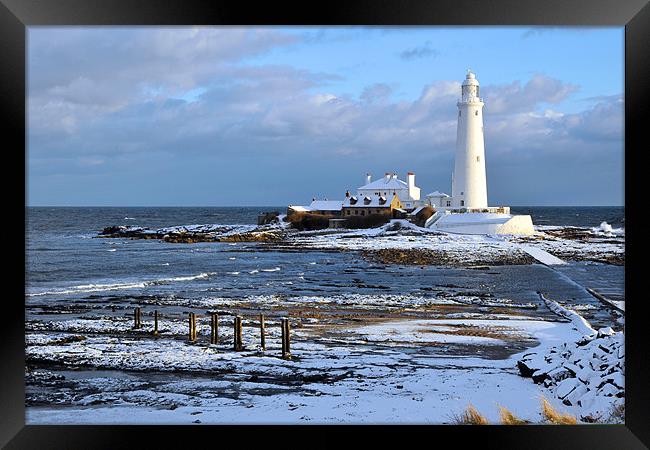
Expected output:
(467, 212)
(469, 186)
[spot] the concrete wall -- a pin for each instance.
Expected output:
(499, 224)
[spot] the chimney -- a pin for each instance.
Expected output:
(347, 194)
(393, 176)
(387, 176)
(410, 179)
(368, 178)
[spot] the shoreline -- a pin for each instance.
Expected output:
(569, 243)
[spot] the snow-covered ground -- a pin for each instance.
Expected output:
(593, 244)
(355, 359)
(389, 372)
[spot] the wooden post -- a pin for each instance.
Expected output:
(288, 338)
(136, 318)
(286, 347)
(237, 332)
(155, 322)
(192, 327)
(214, 329)
(262, 337)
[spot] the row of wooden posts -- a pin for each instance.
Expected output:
(214, 330)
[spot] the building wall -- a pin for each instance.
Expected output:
(440, 202)
(327, 213)
(348, 212)
(465, 224)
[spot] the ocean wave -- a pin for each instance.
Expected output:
(275, 269)
(88, 288)
(607, 229)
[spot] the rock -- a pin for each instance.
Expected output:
(558, 374)
(608, 390)
(576, 394)
(524, 369)
(539, 376)
(566, 387)
(606, 331)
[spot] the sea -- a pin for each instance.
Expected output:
(66, 262)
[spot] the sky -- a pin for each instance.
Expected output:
(270, 116)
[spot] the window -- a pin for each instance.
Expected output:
(348, 211)
(356, 212)
(478, 159)
(363, 213)
(476, 113)
(448, 203)
(462, 203)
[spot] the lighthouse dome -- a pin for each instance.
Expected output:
(470, 79)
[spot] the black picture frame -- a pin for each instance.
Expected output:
(16, 15)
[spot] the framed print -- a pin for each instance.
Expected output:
(364, 217)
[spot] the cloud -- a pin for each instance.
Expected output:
(376, 93)
(514, 97)
(423, 51)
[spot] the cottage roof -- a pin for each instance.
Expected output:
(384, 183)
(299, 208)
(368, 201)
(325, 205)
(437, 194)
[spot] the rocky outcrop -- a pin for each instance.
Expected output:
(422, 257)
(197, 233)
(588, 374)
(585, 374)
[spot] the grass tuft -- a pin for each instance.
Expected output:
(552, 415)
(508, 418)
(471, 416)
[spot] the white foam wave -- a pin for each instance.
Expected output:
(275, 269)
(607, 229)
(100, 287)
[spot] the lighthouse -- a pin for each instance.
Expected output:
(469, 186)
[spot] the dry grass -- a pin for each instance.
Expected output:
(552, 415)
(471, 416)
(508, 418)
(617, 413)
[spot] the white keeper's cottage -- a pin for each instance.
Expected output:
(388, 186)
